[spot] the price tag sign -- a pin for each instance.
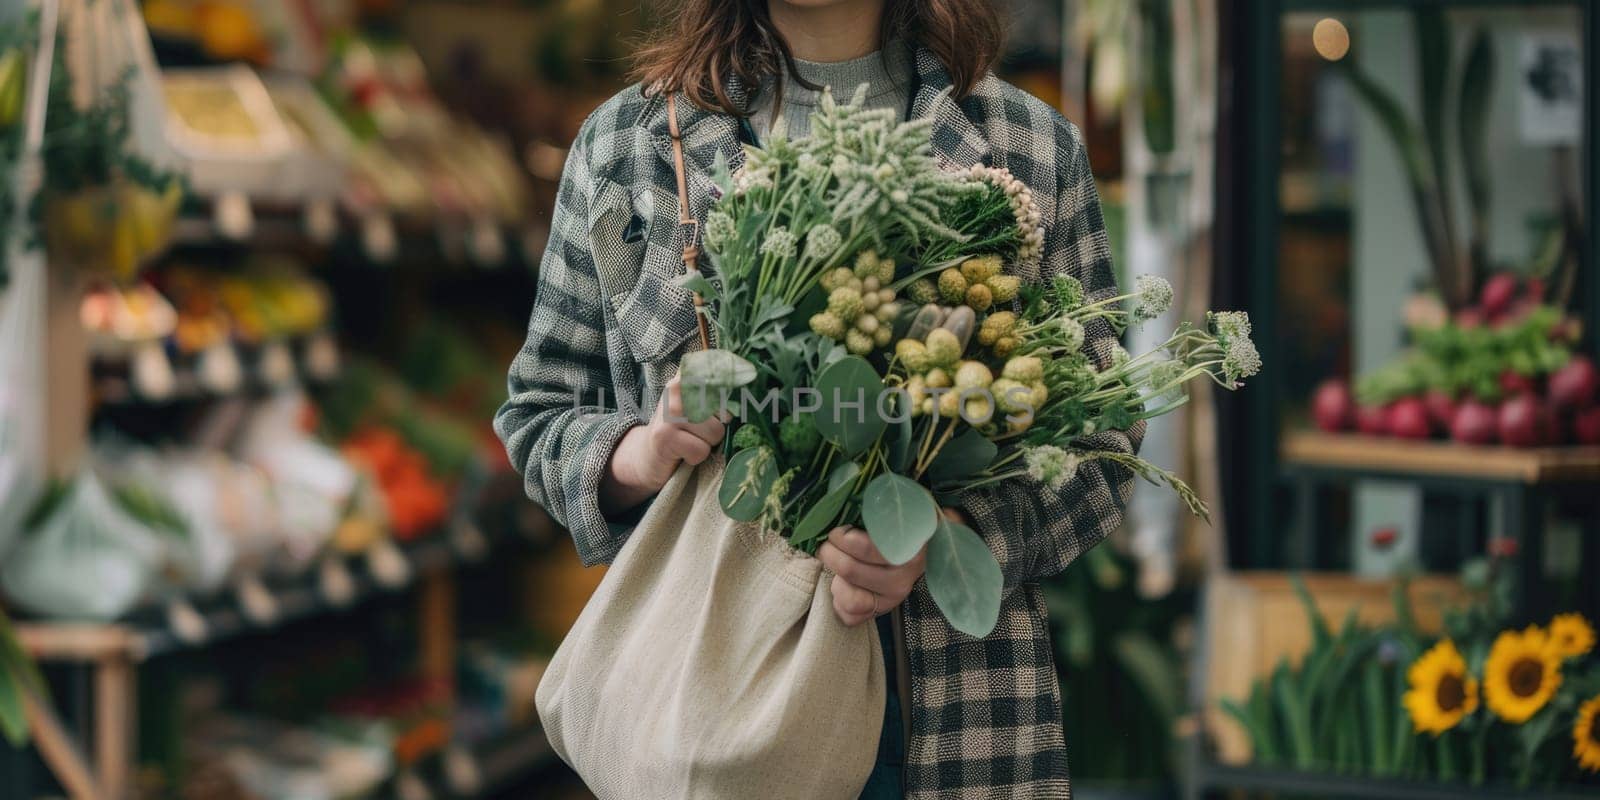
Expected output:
(388, 565)
(259, 606)
(185, 622)
(337, 584)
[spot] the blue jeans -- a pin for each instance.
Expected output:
(886, 781)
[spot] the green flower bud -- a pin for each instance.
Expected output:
(980, 268)
(944, 349)
(866, 263)
(857, 343)
(949, 405)
(973, 375)
(999, 325)
(886, 270)
(977, 409)
(952, 286)
(979, 298)
(1004, 287)
(937, 379)
(835, 278)
(1041, 394)
(869, 284)
(798, 435)
(922, 291)
(866, 323)
(913, 354)
(826, 324)
(749, 436)
(1013, 397)
(887, 312)
(1027, 369)
(882, 336)
(1006, 345)
(845, 303)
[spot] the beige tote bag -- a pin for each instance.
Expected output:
(710, 664)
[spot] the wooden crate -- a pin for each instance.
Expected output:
(1254, 619)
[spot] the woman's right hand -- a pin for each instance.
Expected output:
(647, 455)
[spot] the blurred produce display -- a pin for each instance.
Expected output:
(1485, 703)
(1501, 371)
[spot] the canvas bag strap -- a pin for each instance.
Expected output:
(686, 220)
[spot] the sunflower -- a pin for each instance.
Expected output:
(1442, 692)
(1521, 675)
(1586, 735)
(1571, 635)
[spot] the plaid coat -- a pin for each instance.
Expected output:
(608, 322)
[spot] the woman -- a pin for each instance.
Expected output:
(981, 717)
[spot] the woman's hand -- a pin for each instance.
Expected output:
(647, 455)
(865, 584)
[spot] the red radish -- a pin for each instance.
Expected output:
(1441, 407)
(1408, 419)
(1384, 538)
(1522, 421)
(1333, 408)
(1534, 290)
(1575, 385)
(1513, 383)
(1497, 294)
(1586, 426)
(1469, 318)
(1474, 423)
(1372, 420)
(1504, 547)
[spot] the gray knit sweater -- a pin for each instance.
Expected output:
(886, 72)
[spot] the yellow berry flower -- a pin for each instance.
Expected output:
(1571, 635)
(1521, 675)
(1586, 735)
(1442, 693)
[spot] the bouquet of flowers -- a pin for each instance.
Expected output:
(878, 356)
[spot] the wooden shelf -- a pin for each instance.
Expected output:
(1400, 457)
(146, 634)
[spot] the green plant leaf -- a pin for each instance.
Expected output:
(1295, 718)
(843, 474)
(1377, 712)
(13, 720)
(1472, 118)
(746, 482)
(816, 521)
(1319, 626)
(708, 379)
(964, 578)
(849, 415)
(15, 660)
(1157, 677)
(900, 516)
(902, 445)
(962, 457)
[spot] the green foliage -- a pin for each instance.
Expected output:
(964, 578)
(1455, 359)
(900, 516)
(18, 676)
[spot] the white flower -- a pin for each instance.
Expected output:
(1166, 377)
(1119, 355)
(720, 230)
(1072, 334)
(1154, 297)
(823, 241)
(780, 243)
(1051, 465)
(1240, 359)
(1230, 325)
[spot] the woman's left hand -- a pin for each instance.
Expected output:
(865, 584)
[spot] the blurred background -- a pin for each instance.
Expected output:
(263, 264)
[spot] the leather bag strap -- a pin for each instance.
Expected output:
(686, 220)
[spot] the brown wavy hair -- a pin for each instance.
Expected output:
(704, 42)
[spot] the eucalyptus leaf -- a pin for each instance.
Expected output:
(849, 415)
(745, 483)
(708, 379)
(962, 457)
(964, 578)
(900, 516)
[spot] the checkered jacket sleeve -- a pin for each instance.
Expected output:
(1036, 532)
(553, 429)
